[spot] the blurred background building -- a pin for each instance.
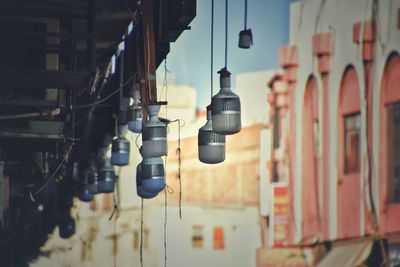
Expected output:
(335, 136)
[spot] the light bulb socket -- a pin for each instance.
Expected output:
(153, 109)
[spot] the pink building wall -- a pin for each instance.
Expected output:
(333, 68)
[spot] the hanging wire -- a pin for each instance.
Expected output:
(165, 81)
(33, 195)
(226, 33)
(178, 152)
(115, 247)
(245, 14)
(141, 235)
(116, 198)
(108, 96)
(165, 225)
(166, 174)
(212, 47)
(137, 141)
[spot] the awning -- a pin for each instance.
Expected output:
(347, 255)
(287, 257)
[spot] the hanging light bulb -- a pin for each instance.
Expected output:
(226, 107)
(135, 114)
(83, 192)
(139, 187)
(153, 176)
(66, 226)
(120, 150)
(84, 195)
(105, 168)
(92, 178)
(245, 39)
(106, 176)
(154, 134)
(211, 145)
(139, 177)
(245, 36)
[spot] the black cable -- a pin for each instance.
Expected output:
(212, 47)
(141, 235)
(165, 226)
(226, 33)
(245, 14)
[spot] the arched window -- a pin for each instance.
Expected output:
(310, 157)
(390, 130)
(349, 150)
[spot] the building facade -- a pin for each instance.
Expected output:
(335, 124)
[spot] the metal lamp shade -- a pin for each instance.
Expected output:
(120, 152)
(154, 135)
(93, 182)
(153, 176)
(83, 193)
(66, 227)
(210, 144)
(245, 39)
(135, 114)
(139, 187)
(226, 111)
(135, 119)
(106, 182)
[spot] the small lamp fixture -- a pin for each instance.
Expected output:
(83, 191)
(135, 114)
(225, 106)
(245, 39)
(153, 176)
(154, 135)
(106, 172)
(66, 226)
(245, 36)
(120, 150)
(211, 145)
(139, 187)
(92, 178)
(106, 176)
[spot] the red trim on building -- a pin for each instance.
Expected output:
(398, 18)
(369, 32)
(390, 93)
(322, 46)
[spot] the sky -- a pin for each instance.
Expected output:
(189, 58)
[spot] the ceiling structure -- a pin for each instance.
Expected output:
(63, 77)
